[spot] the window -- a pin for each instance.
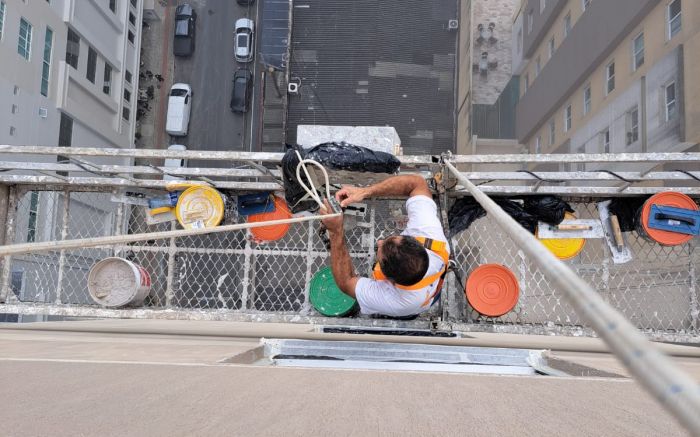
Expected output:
(610, 78)
(65, 131)
(107, 80)
(530, 19)
(538, 66)
(131, 37)
(24, 42)
(132, 18)
(670, 99)
(133, 3)
(638, 51)
(551, 47)
(543, 5)
(632, 126)
(567, 24)
(15, 109)
(585, 4)
(125, 113)
(527, 81)
(46, 67)
(538, 145)
(15, 90)
(113, 5)
(72, 49)
(2, 18)
(587, 100)
(567, 118)
(552, 129)
(127, 95)
(127, 76)
(33, 214)
(12, 130)
(674, 18)
(605, 141)
(91, 65)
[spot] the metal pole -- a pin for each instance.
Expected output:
(48, 246)
(673, 388)
(62, 254)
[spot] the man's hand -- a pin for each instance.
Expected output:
(333, 224)
(349, 194)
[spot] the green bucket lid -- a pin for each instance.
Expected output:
(326, 297)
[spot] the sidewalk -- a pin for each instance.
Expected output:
(155, 78)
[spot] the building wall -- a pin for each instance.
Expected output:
(665, 61)
(69, 91)
(487, 87)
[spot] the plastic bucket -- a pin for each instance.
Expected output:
(200, 207)
(326, 297)
(274, 232)
(665, 238)
(115, 282)
(492, 290)
(564, 248)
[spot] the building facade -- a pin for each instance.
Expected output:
(607, 76)
(69, 73)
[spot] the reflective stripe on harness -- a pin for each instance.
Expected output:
(440, 248)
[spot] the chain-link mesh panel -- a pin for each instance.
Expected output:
(657, 290)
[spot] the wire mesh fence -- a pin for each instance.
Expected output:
(232, 272)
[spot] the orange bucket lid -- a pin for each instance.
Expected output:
(669, 198)
(492, 290)
(274, 232)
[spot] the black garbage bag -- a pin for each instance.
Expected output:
(465, 210)
(463, 213)
(334, 156)
(548, 209)
(625, 208)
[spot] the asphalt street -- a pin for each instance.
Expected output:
(209, 71)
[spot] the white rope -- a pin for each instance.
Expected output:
(673, 388)
(311, 191)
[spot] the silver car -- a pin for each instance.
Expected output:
(245, 28)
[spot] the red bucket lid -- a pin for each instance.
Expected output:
(492, 290)
(669, 198)
(274, 232)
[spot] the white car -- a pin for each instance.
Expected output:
(243, 39)
(179, 106)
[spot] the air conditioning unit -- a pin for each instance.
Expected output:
(453, 24)
(43, 112)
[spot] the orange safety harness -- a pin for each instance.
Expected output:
(440, 248)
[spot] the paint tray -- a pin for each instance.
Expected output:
(571, 228)
(620, 255)
(256, 203)
(672, 219)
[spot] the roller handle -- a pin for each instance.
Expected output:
(617, 232)
(574, 227)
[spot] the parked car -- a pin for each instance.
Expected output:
(245, 28)
(179, 106)
(242, 82)
(185, 18)
(246, 2)
(174, 163)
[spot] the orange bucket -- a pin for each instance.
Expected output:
(492, 290)
(665, 238)
(274, 232)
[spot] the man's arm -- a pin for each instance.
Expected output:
(341, 264)
(402, 185)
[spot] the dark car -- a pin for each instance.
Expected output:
(185, 18)
(246, 2)
(242, 82)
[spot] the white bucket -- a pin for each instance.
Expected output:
(116, 282)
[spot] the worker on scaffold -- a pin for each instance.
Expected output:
(410, 268)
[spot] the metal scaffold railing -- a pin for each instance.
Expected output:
(62, 194)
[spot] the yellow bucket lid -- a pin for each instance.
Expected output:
(564, 248)
(199, 207)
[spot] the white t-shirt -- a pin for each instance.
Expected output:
(381, 297)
